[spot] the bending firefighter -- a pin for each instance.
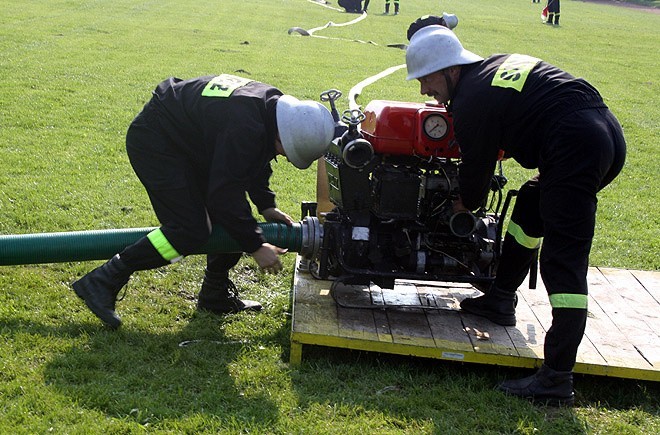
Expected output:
(200, 147)
(543, 118)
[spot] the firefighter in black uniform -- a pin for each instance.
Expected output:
(396, 7)
(543, 118)
(199, 146)
(553, 12)
(352, 6)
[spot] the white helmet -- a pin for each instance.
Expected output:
(434, 48)
(306, 129)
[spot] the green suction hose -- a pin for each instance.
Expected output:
(303, 237)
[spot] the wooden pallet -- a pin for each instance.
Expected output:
(622, 338)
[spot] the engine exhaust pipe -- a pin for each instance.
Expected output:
(303, 237)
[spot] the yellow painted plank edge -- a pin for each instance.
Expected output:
(618, 372)
(404, 349)
(449, 354)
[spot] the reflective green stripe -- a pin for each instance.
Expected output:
(522, 238)
(162, 245)
(568, 300)
(514, 71)
(224, 85)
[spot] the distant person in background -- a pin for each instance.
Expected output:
(449, 21)
(351, 6)
(396, 7)
(553, 12)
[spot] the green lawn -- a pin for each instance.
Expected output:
(73, 74)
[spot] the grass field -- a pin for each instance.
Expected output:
(73, 74)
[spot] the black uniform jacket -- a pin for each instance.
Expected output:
(225, 130)
(510, 103)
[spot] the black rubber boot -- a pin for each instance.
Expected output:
(496, 305)
(546, 386)
(100, 287)
(220, 296)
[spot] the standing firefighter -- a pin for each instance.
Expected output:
(553, 8)
(396, 7)
(199, 146)
(543, 118)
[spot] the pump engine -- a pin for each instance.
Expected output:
(392, 176)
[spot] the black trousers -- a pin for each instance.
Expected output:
(553, 6)
(177, 194)
(351, 5)
(584, 153)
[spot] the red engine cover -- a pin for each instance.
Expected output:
(400, 128)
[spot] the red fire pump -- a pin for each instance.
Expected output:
(392, 174)
(398, 128)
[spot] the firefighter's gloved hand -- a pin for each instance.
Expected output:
(267, 257)
(274, 214)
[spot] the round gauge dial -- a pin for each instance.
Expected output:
(435, 126)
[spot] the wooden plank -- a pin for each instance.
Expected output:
(348, 295)
(603, 332)
(314, 311)
(528, 335)
(620, 329)
(356, 322)
(633, 297)
(443, 295)
(538, 301)
(315, 319)
(486, 336)
(409, 326)
(610, 342)
(308, 290)
(447, 330)
(380, 316)
(650, 280)
(445, 321)
(403, 294)
(623, 308)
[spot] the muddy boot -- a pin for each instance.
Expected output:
(496, 305)
(220, 296)
(546, 386)
(100, 287)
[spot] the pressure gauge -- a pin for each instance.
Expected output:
(435, 126)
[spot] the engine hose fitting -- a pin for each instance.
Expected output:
(462, 224)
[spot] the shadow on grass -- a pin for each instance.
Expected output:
(148, 378)
(153, 378)
(460, 397)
